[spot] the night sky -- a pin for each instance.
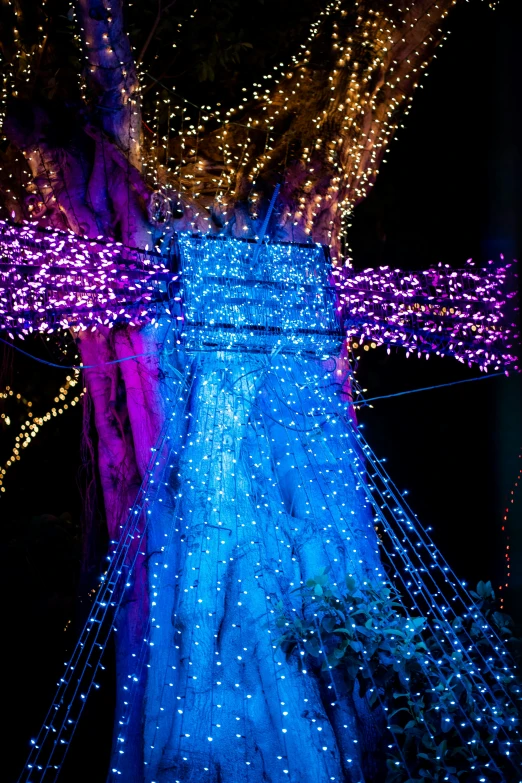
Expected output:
(450, 190)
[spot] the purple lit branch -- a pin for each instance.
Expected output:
(52, 280)
(470, 314)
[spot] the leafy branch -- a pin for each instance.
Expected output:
(443, 694)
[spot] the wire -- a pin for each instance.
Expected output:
(426, 388)
(151, 353)
(75, 366)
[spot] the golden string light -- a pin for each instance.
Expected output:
(20, 67)
(351, 134)
(33, 424)
(276, 93)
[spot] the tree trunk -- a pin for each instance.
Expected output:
(254, 510)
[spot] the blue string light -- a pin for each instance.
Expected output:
(73, 366)
(81, 670)
(271, 465)
(362, 402)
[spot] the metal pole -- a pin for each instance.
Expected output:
(265, 224)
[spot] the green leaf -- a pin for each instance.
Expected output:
(401, 709)
(393, 632)
(329, 623)
(485, 590)
(442, 748)
(321, 579)
(351, 584)
(373, 698)
(445, 725)
(386, 659)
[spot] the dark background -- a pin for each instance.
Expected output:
(450, 190)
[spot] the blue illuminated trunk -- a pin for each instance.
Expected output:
(257, 496)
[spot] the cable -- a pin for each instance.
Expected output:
(426, 388)
(75, 366)
(151, 353)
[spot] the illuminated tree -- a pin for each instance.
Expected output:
(317, 127)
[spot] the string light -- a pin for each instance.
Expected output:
(469, 313)
(78, 681)
(33, 424)
(370, 83)
(265, 438)
(53, 280)
(505, 528)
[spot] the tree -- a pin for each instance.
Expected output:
(319, 127)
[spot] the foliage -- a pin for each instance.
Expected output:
(444, 704)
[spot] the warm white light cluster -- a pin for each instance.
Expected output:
(352, 129)
(16, 74)
(33, 424)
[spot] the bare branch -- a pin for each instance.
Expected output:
(154, 27)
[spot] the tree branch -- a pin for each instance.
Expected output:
(116, 156)
(111, 74)
(326, 124)
(154, 27)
